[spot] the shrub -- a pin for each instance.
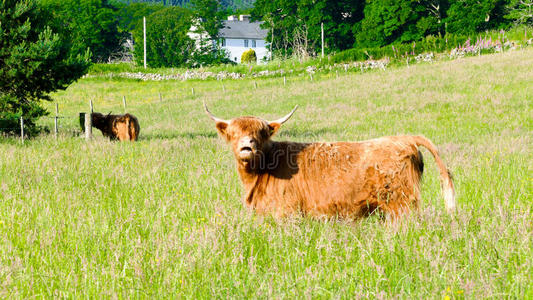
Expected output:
(248, 57)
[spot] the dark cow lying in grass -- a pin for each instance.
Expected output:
(117, 127)
(342, 179)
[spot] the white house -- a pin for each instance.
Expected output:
(239, 35)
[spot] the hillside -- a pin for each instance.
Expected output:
(162, 217)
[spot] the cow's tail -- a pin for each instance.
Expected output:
(445, 175)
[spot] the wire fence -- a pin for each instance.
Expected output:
(85, 125)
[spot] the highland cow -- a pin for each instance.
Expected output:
(122, 127)
(338, 179)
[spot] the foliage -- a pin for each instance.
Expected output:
(34, 62)
(230, 5)
(388, 21)
(89, 24)
(470, 16)
(248, 57)
(295, 26)
(168, 44)
(520, 11)
(130, 15)
(208, 20)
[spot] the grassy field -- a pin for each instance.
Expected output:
(162, 217)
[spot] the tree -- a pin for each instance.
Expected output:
(89, 24)
(389, 21)
(130, 15)
(34, 62)
(168, 43)
(207, 22)
(294, 26)
(520, 11)
(470, 16)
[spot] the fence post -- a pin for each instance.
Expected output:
(22, 129)
(284, 80)
(91, 105)
(124, 103)
(56, 129)
(88, 127)
(322, 36)
(192, 91)
(144, 40)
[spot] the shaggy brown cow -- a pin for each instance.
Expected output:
(122, 127)
(343, 179)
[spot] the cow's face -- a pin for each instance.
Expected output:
(99, 120)
(248, 136)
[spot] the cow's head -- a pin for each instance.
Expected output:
(99, 120)
(248, 136)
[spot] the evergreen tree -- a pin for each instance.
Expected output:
(33, 63)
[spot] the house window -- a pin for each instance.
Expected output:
(253, 44)
(246, 43)
(223, 42)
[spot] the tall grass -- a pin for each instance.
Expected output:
(162, 217)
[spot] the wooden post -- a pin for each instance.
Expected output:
(22, 129)
(88, 127)
(192, 91)
(284, 80)
(124, 103)
(322, 29)
(91, 105)
(56, 129)
(160, 97)
(144, 40)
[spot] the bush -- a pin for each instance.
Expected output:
(248, 57)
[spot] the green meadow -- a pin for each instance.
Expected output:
(163, 218)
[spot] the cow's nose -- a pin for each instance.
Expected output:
(248, 142)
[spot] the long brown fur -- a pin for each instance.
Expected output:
(343, 179)
(117, 127)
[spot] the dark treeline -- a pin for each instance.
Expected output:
(225, 4)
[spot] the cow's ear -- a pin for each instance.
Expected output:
(221, 128)
(274, 127)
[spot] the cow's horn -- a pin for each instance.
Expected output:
(213, 116)
(284, 119)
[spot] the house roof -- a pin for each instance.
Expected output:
(243, 30)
